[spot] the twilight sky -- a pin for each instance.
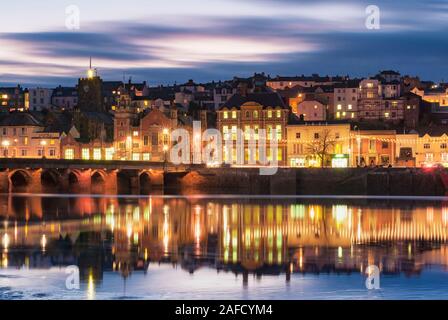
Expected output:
(175, 40)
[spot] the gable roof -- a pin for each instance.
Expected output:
(266, 99)
(19, 119)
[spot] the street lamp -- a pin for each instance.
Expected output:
(165, 151)
(43, 143)
(358, 139)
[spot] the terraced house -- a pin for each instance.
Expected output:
(254, 111)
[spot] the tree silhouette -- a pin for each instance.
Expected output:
(322, 146)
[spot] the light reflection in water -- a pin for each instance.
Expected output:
(256, 236)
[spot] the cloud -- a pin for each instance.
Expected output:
(181, 40)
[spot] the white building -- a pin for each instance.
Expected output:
(40, 98)
(346, 97)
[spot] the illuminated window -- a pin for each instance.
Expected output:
(256, 114)
(97, 154)
(226, 115)
(109, 153)
(25, 141)
(386, 114)
(135, 133)
(350, 107)
(234, 132)
(429, 157)
(52, 141)
(445, 157)
(270, 114)
(136, 156)
(353, 115)
(146, 157)
(225, 131)
(256, 128)
(370, 95)
(339, 107)
(233, 114)
(269, 132)
(69, 154)
(279, 114)
(279, 132)
(247, 132)
(85, 154)
(338, 115)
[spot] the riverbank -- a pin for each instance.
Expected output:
(289, 181)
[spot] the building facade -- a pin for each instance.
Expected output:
(318, 145)
(254, 111)
(312, 110)
(40, 98)
(23, 136)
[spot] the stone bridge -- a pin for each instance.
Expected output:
(111, 177)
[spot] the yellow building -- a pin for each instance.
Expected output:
(254, 111)
(435, 95)
(432, 150)
(313, 143)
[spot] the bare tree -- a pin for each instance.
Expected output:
(322, 146)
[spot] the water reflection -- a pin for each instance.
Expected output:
(259, 237)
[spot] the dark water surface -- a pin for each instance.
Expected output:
(222, 247)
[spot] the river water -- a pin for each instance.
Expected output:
(156, 247)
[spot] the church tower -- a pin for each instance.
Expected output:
(90, 95)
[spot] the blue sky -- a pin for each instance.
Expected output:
(168, 41)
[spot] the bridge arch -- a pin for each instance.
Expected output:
(74, 177)
(19, 180)
(98, 177)
(50, 178)
(124, 181)
(145, 182)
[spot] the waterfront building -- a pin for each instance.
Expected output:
(406, 151)
(254, 111)
(145, 136)
(72, 148)
(373, 147)
(320, 144)
(23, 136)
